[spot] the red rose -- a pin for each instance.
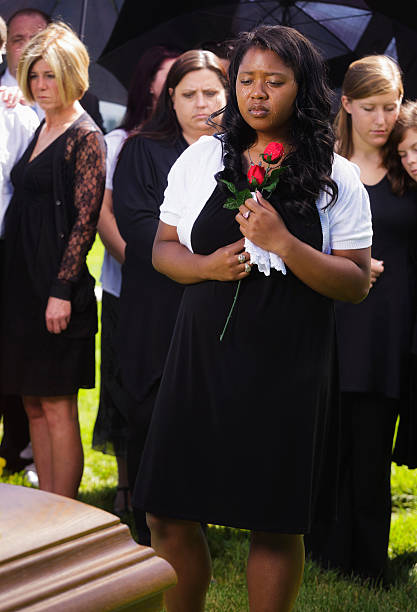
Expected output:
(256, 175)
(273, 152)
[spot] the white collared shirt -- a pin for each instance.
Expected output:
(17, 126)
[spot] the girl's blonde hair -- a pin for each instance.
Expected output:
(372, 75)
(67, 56)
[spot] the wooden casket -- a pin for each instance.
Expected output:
(61, 555)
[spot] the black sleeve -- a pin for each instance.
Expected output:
(89, 180)
(139, 183)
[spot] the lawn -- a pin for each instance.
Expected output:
(321, 591)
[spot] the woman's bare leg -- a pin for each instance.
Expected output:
(184, 545)
(41, 442)
(274, 571)
(67, 452)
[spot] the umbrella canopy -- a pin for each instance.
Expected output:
(93, 20)
(343, 31)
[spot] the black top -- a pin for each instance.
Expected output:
(148, 300)
(375, 336)
(239, 431)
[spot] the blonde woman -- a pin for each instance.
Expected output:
(374, 337)
(50, 315)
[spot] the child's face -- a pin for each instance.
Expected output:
(407, 150)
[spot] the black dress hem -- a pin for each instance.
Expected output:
(225, 522)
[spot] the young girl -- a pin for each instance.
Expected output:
(402, 164)
(374, 337)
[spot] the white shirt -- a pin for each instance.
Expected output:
(17, 126)
(111, 271)
(347, 224)
(8, 80)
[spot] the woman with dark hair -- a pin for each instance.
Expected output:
(194, 88)
(374, 378)
(402, 172)
(240, 426)
(111, 428)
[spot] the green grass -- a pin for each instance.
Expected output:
(321, 591)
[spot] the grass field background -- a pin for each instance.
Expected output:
(321, 591)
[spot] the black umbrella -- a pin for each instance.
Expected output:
(341, 30)
(93, 20)
(391, 30)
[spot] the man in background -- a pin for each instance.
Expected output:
(17, 126)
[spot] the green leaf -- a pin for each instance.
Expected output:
(230, 204)
(275, 173)
(272, 180)
(242, 196)
(231, 187)
(269, 188)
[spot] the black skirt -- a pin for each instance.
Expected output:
(110, 432)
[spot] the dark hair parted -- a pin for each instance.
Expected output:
(309, 164)
(400, 180)
(30, 12)
(140, 99)
(163, 124)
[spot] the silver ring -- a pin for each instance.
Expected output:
(241, 258)
(246, 214)
(247, 268)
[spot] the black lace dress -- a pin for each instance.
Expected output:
(43, 262)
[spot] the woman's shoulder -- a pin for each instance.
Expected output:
(115, 137)
(344, 170)
(142, 145)
(83, 126)
(207, 150)
(114, 141)
(207, 145)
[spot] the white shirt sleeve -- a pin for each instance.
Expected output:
(190, 184)
(24, 125)
(114, 141)
(349, 218)
(17, 126)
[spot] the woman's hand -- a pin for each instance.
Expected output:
(377, 268)
(228, 263)
(57, 315)
(173, 259)
(261, 223)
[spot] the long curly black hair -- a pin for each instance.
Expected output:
(309, 164)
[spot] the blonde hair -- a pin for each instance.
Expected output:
(67, 56)
(3, 33)
(372, 75)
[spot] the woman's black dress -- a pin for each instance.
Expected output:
(240, 426)
(375, 336)
(38, 362)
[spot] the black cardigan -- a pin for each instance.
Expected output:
(149, 301)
